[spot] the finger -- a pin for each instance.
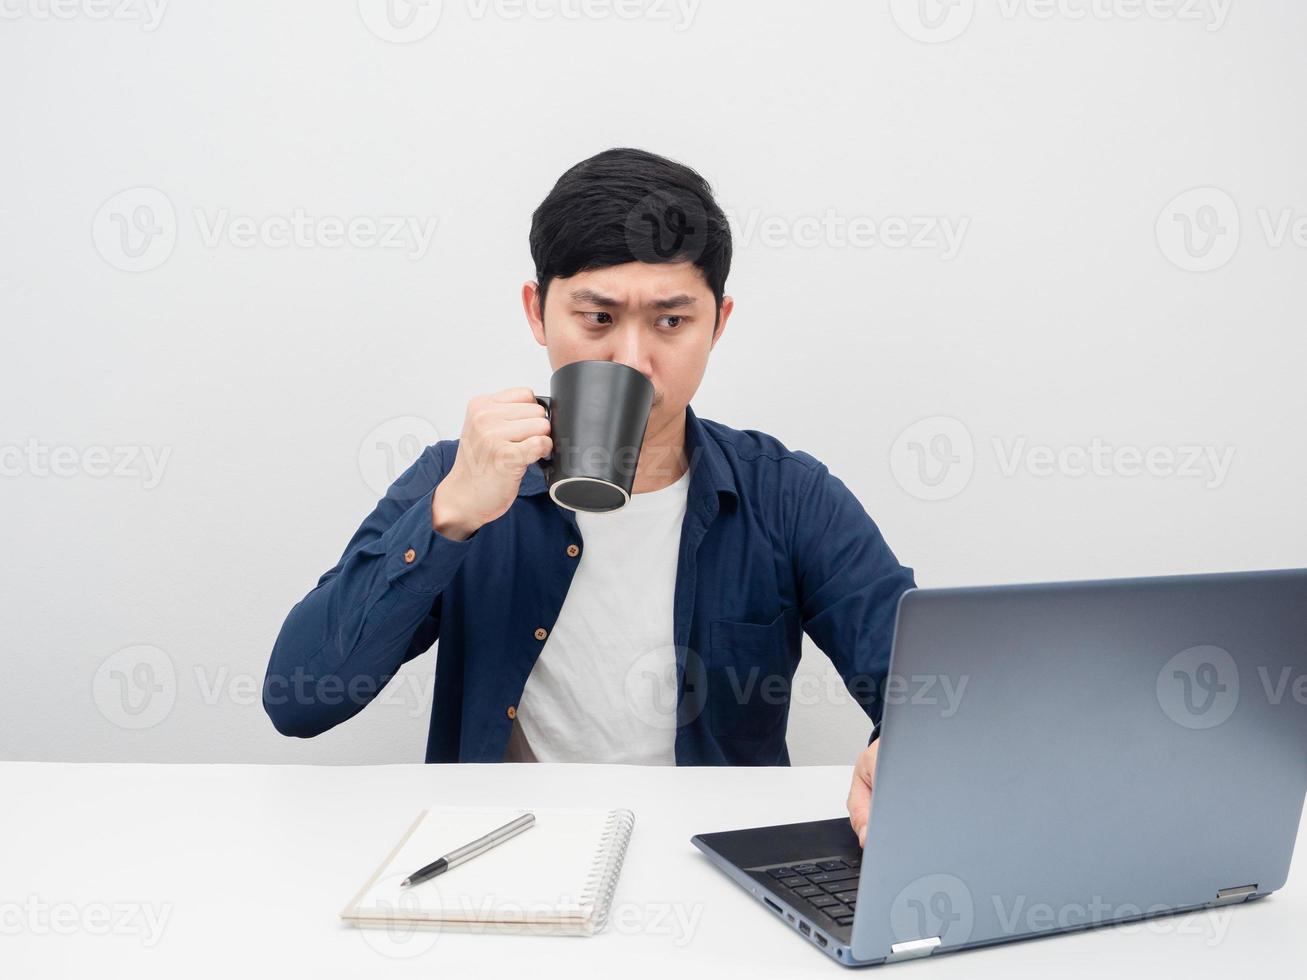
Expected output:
(860, 788)
(859, 824)
(867, 763)
(863, 775)
(519, 430)
(518, 394)
(515, 410)
(857, 792)
(527, 451)
(858, 809)
(858, 804)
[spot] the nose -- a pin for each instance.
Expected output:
(633, 351)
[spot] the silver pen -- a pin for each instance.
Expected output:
(468, 851)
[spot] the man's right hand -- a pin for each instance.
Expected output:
(503, 434)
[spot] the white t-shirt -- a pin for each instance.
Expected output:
(603, 689)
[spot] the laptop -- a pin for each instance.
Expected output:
(1057, 757)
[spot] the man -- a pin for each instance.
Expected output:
(667, 631)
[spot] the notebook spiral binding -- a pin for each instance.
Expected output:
(601, 881)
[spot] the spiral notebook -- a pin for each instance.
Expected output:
(557, 877)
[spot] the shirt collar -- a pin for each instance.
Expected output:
(709, 471)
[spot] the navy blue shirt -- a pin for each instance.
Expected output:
(772, 546)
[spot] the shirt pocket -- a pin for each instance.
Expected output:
(749, 667)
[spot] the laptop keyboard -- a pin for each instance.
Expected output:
(830, 886)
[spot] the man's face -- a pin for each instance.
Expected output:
(654, 317)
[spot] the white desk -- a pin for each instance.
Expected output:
(247, 867)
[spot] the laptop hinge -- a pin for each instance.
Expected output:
(1229, 896)
(912, 949)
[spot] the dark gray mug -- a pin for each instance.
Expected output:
(597, 413)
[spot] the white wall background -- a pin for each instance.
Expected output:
(1054, 137)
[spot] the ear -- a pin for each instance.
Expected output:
(723, 314)
(534, 314)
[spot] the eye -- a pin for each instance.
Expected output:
(675, 320)
(607, 318)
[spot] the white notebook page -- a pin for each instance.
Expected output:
(539, 875)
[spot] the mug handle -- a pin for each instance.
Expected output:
(547, 404)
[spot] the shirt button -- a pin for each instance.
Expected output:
(573, 551)
(512, 711)
(541, 633)
(409, 556)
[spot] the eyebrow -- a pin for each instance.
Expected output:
(599, 299)
(674, 302)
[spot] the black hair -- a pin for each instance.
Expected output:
(628, 205)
